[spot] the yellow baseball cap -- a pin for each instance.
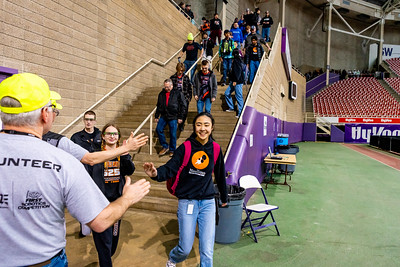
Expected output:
(30, 90)
(190, 36)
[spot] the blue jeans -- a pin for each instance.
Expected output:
(188, 64)
(59, 261)
(265, 33)
(204, 215)
(200, 105)
(238, 95)
(253, 69)
(226, 65)
(173, 125)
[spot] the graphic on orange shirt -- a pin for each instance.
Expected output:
(200, 160)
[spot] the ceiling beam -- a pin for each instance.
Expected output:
(388, 11)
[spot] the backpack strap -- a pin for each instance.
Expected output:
(217, 148)
(186, 157)
(52, 138)
(188, 150)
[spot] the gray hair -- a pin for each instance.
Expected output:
(31, 118)
(168, 81)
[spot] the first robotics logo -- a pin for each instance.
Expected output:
(33, 200)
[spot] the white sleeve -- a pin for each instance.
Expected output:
(71, 148)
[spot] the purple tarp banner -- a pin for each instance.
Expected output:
(360, 133)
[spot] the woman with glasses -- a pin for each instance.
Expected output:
(110, 178)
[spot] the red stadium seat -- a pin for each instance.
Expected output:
(358, 97)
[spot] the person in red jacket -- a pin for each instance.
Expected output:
(171, 107)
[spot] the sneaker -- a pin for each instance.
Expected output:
(237, 116)
(163, 151)
(170, 264)
(223, 84)
(171, 154)
(229, 110)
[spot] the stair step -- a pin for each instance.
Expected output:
(157, 204)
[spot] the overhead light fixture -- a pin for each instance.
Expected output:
(343, 11)
(363, 17)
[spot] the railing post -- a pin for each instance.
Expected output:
(151, 135)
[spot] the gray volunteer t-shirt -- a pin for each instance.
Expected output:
(75, 150)
(37, 182)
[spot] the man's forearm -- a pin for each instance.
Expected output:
(102, 156)
(131, 194)
(110, 215)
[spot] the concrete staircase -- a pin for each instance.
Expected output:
(390, 90)
(386, 67)
(159, 198)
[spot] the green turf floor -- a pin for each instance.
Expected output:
(343, 211)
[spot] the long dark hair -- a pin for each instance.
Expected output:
(103, 143)
(203, 114)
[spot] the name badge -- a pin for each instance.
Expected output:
(190, 209)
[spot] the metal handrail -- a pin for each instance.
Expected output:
(150, 116)
(257, 75)
(183, 11)
(156, 61)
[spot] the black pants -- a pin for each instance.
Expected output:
(186, 111)
(106, 244)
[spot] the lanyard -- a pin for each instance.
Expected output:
(17, 132)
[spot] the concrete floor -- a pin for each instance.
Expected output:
(145, 240)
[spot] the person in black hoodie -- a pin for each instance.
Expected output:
(236, 80)
(216, 29)
(208, 46)
(254, 53)
(195, 190)
(110, 178)
(266, 22)
(90, 137)
(171, 107)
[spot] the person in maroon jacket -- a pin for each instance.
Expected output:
(216, 29)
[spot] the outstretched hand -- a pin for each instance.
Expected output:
(149, 169)
(135, 192)
(136, 142)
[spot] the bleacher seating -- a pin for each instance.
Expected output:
(394, 83)
(394, 65)
(356, 97)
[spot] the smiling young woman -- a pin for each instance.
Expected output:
(110, 178)
(195, 189)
